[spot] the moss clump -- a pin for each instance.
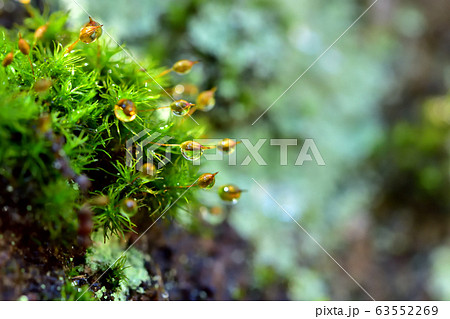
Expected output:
(62, 149)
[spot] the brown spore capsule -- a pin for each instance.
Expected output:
(99, 200)
(125, 110)
(191, 150)
(91, 31)
(8, 59)
(180, 107)
(148, 171)
(42, 85)
(183, 66)
(39, 33)
(206, 180)
(24, 47)
(206, 101)
(227, 145)
(44, 124)
(230, 193)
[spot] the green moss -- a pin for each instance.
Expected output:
(56, 211)
(85, 86)
(55, 138)
(120, 272)
(69, 292)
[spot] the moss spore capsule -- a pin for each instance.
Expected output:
(183, 66)
(24, 47)
(191, 150)
(180, 107)
(8, 59)
(125, 110)
(206, 101)
(207, 180)
(91, 31)
(230, 193)
(42, 85)
(44, 124)
(39, 33)
(227, 145)
(148, 171)
(99, 200)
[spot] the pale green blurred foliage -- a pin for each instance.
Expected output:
(440, 279)
(243, 37)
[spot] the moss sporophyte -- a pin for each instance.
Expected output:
(126, 111)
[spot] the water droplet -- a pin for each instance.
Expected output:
(91, 31)
(230, 193)
(183, 66)
(148, 171)
(130, 206)
(180, 107)
(206, 180)
(227, 145)
(191, 150)
(125, 110)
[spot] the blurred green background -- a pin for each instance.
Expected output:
(376, 104)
